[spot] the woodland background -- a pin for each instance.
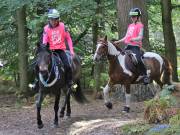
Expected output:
(22, 21)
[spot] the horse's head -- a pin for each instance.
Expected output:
(101, 49)
(43, 58)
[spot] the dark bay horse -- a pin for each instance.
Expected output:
(51, 74)
(123, 70)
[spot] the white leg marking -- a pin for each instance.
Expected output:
(106, 93)
(128, 99)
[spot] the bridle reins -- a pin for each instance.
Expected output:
(54, 68)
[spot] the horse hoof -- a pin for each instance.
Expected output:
(55, 125)
(68, 115)
(109, 105)
(126, 109)
(61, 115)
(40, 126)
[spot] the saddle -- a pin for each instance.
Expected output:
(131, 61)
(58, 60)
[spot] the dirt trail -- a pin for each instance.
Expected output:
(88, 119)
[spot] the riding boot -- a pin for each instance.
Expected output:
(146, 79)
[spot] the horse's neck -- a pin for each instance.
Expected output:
(113, 61)
(112, 50)
(116, 59)
(114, 54)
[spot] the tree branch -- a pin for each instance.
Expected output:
(174, 6)
(81, 36)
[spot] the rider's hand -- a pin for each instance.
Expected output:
(116, 42)
(72, 54)
(132, 39)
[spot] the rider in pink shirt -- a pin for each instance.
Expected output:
(133, 40)
(55, 34)
(56, 37)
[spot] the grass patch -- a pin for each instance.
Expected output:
(142, 128)
(135, 129)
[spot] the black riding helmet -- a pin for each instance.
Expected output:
(135, 12)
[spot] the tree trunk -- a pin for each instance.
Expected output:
(138, 91)
(22, 48)
(98, 66)
(169, 38)
(123, 8)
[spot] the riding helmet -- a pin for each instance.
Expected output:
(53, 13)
(135, 12)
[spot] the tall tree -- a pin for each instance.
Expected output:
(22, 47)
(169, 38)
(96, 30)
(123, 8)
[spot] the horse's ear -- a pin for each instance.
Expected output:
(105, 38)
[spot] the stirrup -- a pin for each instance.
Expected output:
(146, 80)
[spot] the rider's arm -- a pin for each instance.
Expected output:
(139, 37)
(45, 37)
(122, 39)
(69, 41)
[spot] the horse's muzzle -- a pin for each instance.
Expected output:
(96, 57)
(43, 69)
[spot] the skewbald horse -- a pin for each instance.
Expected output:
(122, 69)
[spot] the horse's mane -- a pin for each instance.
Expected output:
(122, 51)
(40, 47)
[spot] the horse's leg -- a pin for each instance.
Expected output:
(56, 108)
(106, 96)
(68, 111)
(39, 101)
(64, 105)
(128, 98)
(63, 109)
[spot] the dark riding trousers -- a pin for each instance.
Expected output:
(136, 50)
(66, 63)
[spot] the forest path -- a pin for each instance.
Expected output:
(92, 118)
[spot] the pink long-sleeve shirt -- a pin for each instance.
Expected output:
(56, 37)
(133, 32)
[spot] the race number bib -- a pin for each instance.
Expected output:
(56, 37)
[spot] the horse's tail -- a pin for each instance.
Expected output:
(78, 94)
(166, 71)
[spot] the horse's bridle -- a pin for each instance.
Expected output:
(54, 68)
(104, 54)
